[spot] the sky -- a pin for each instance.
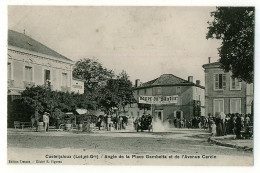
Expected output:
(146, 42)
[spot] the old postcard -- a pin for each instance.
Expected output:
(130, 85)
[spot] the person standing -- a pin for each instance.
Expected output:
(48, 122)
(45, 119)
(213, 129)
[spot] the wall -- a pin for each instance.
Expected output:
(225, 94)
(38, 63)
(185, 102)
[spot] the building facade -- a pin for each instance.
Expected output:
(224, 93)
(77, 86)
(190, 98)
(32, 63)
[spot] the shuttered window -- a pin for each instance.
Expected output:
(28, 74)
(235, 84)
(218, 105)
(64, 79)
(220, 81)
(235, 105)
(9, 71)
(178, 90)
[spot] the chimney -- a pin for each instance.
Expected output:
(137, 82)
(190, 79)
(209, 60)
(197, 82)
(24, 31)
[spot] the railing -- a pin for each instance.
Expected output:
(28, 84)
(65, 89)
(10, 83)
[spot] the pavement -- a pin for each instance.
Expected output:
(186, 144)
(231, 141)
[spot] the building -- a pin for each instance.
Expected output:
(224, 93)
(32, 63)
(77, 86)
(190, 100)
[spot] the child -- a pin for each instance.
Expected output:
(213, 129)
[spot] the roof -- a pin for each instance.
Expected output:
(23, 41)
(82, 80)
(212, 65)
(168, 80)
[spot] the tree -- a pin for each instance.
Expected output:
(39, 99)
(117, 93)
(92, 72)
(235, 27)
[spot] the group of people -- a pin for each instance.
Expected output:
(195, 122)
(45, 119)
(112, 121)
(144, 122)
(222, 124)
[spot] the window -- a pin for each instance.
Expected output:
(47, 75)
(145, 91)
(137, 92)
(158, 91)
(218, 105)
(9, 68)
(235, 84)
(64, 79)
(178, 90)
(219, 81)
(235, 105)
(28, 74)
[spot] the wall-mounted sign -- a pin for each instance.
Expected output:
(158, 99)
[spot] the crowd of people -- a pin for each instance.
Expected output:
(110, 122)
(238, 124)
(220, 124)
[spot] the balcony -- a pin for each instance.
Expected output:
(28, 84)
(65, 89)
(10, 83)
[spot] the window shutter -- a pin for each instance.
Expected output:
(224, 81)
(216, 81)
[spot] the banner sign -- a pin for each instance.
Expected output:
(158, 99)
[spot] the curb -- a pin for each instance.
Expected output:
(214, 141)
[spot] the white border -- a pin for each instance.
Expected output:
(135, 169)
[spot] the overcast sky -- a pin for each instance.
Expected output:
(144, 41)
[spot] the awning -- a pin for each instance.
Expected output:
(81, 111)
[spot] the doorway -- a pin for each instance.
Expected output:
(159, 115)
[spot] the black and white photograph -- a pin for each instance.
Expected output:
(130, 85)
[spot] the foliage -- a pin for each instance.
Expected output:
(92, 72)
(18, 111)
(41, 99)
(235, 27)
(116, 93)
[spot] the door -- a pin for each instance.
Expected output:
(178, 114)
(159, 115)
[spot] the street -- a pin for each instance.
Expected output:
(188, 144)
